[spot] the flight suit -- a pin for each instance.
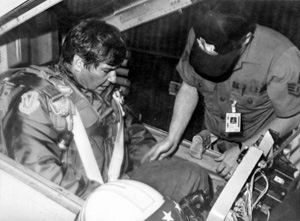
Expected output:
(39, 116)
(265, 83)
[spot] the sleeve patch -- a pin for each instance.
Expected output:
(294, 89)
(29, 102)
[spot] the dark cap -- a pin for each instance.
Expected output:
(222, 26)
(211, 66)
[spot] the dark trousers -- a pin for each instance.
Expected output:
(174, 177)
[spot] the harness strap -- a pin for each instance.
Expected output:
(8, 94)
(84, 107)
(118, 152)
(85, 150)
(80, 137)
(82, 142)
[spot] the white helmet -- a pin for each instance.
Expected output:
(121, 200)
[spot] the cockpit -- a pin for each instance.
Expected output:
(159, 43)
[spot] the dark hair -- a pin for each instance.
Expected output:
(94, 41)
(223, 23)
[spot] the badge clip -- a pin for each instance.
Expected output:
(233, 120)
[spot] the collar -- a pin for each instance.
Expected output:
(252, 52)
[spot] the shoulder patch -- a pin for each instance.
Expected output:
(294, 89)
(29, 102)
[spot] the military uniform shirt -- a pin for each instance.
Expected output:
(265, 83)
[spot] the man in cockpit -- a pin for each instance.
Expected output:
(44, 132)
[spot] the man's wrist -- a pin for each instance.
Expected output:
(173, 140)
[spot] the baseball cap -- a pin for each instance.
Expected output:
(219, 28)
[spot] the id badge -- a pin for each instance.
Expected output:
(233, 122)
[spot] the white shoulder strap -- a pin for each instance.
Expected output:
(86, 153)
(118, 152)
(85, 150)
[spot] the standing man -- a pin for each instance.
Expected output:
(248, 75)
(49, 105)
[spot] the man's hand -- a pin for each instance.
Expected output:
(228, 162)
(159, 151)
